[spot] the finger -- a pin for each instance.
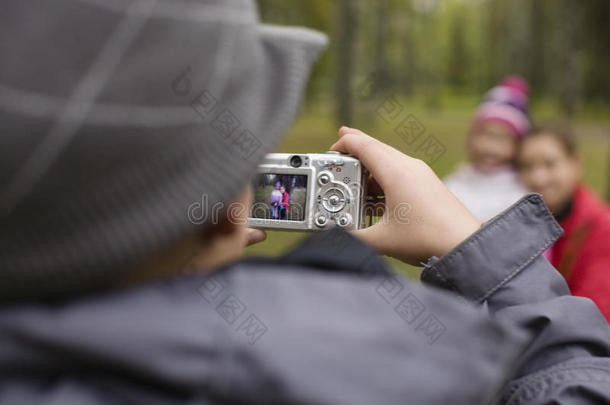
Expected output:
(346, 130)
(380, 159)
(255, 236)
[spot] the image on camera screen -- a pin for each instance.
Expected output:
(279, 197)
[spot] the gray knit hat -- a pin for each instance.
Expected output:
(117, 116)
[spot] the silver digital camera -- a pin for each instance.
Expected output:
(309, 192)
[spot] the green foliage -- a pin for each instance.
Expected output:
(561, 46)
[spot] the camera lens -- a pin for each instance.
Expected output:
(296, 161)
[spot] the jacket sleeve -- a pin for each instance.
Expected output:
(501, 267)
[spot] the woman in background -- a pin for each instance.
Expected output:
(548, 164)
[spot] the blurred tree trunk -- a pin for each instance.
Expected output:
(315, 13)
(380, 69)
(538, 39)
(496, 41)
(410, 56)
(596, 39)
(430, 76)
(347, 14)
(518, 34)
(458, 63)
(570, 13)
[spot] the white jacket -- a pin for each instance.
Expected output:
(485, 194)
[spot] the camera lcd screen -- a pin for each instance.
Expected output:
(279, 197)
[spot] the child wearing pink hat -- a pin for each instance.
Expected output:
(487, 184)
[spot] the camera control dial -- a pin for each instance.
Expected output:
(334, 199)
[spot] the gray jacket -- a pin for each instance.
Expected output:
(328, 323)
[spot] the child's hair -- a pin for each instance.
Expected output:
(560, 132)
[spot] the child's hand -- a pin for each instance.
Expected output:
(412, 190)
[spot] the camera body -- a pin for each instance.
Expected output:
(309, 192)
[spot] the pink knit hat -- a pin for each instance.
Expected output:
(507, 103)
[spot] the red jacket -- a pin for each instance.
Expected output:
(285, 200)
(582, 254)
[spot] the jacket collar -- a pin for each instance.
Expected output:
(334, 250)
